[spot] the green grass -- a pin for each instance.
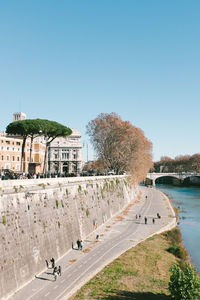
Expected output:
(141, 273)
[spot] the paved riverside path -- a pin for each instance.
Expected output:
(115, 237)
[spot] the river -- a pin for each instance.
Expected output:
(187, 199)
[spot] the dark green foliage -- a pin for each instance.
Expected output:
(176, 250)
(184, 284)
(35, 127)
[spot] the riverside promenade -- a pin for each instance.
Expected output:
(116, 236)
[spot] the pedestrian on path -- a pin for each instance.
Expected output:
(52, 263)
(72, 245)
(136, 217)
(59, 271)
(145, 220)
(158, 215)
(153, 220)
(97, 237)
(55, 269)
(47, 263)
(78, 244)
(146, 197)
(81, 245)
(139, 216)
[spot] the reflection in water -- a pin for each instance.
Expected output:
(187, 200)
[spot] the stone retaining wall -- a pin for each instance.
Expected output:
(40, 218)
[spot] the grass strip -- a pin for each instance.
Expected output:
(141, 273)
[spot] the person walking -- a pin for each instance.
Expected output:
(78, 244)
(59, 270)
(145, 220)
(52, 263)
(139, 216)
(81, 244)
(153, 220)
(47, 263)
(158, 215)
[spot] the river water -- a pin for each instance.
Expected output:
(187, 199)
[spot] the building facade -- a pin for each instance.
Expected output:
(11, 150)
(65, 155)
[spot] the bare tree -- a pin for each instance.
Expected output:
(120, 146)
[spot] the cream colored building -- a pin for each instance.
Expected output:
(65, 154)
(10, 153)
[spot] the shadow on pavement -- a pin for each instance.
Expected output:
(124, 295)
(43, 278)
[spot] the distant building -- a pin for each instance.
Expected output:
(19, 116)
(65, 154)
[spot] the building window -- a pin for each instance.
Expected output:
(18, 143)
(2, 157)
(8, 157)
(7, 148)
(13, 143)
(7, 142)
(55, 156)
(64, 155)
(74, 156)
(13, 158)
(17, 158)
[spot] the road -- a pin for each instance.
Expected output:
(115, 237)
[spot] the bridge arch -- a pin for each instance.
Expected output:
(180, 176)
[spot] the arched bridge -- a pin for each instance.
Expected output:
(180, 176)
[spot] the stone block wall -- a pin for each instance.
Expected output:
(40, 218)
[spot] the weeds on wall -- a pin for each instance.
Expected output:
(79, 188)
(87, 212)
(57, 204)
(4, 220)
(42, 185)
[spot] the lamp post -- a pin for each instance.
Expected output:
(86, 144)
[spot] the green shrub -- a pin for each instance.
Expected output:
(177, 251)
(184, 284)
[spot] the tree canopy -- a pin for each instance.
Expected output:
(120, 146)
(181, 163)
(34, 127)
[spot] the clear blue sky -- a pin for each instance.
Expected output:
(68, 61)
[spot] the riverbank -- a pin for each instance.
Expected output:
(141, 273)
